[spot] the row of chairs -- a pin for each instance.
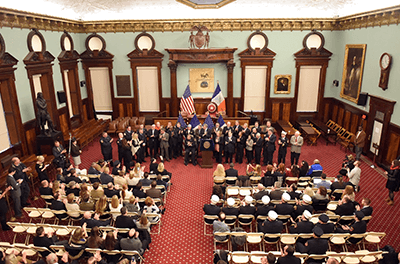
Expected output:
(250, 220)
(344, 137)
(46, 214)
(34, 252)
(281, 239)
(360, 256)
(120, 124)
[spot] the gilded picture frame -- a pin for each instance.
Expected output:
(353, 68)
(201, 80)
(283, 84)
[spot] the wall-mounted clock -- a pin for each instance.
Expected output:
(385, 62)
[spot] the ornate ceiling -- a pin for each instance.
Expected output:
(100, 10)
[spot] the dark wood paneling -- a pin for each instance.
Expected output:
(346, 123)
(393, 148)
(275, 111)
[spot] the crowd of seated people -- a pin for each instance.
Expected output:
(272, 199)
(104, 198)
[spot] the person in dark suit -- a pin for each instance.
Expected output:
(128, 133)
(287, 256)
(275, 193)
(93, 221)
(291, 190)
(230, 209)
(366, 207)
(229, 147)
(247, 207)
(237, 128)
(190, 150)
(119, 144)
(284, 208)
(106, 147)
(301, 206)
(261, 192)
(205, 132)
(302, 226)
(358, 227)
(15, 191)
(138, 191)
(269, 147)
(231, 172)
(345, 207)
(105, 177)
(316, 245)
(110, 191)
(282, 142)
(240, 145)
(143, 145)
(177, 140)
(57, 204)
(124, 221)
(212, 208)
(271, 226)
(265, 207)
(59, 155)
(20, 173)
(323, 220)
(258, 144)
(153, 142)
(43, 239)
(153, 165)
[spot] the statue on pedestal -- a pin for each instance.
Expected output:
(43, 116)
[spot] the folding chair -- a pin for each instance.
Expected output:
(230, 220)
(373, 238)
(231, 180)
(254, 238)
(339, 239)
(133, 253)
(352, 258)
(47, 214)
(232, 191)
(58, 249)
(317, 257)
(47, 199)
(240, 257)
(355, 239)
(245, 191)
(288, 239)
(17, 228)
(223, 238)
(246, 220)
(61, 215)
(32, 212)
(275, 237)
(157, 222)
(255, 256)
(368, 257)
(239, 234)
(208, 221)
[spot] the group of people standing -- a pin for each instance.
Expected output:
(169, 141)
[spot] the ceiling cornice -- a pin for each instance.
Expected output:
(19, 19)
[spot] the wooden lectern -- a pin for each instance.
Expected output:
(207, 148)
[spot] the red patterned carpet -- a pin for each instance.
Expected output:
(181, 239)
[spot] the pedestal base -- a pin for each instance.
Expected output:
(207, 161)
(45, 143)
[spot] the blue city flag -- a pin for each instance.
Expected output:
(209, 122)
(181, 121)
(221, 121)
(195, 121)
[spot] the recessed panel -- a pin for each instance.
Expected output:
(67, 44)
(314, 41)
(257, 41)
(36, 42)
(145, 42)
(95, 43)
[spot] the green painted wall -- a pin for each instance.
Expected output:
(283, 43)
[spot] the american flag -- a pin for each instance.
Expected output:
(187, 104)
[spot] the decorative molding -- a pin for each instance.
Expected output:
(205, 6)
(20, 19)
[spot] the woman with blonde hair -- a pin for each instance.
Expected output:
(72, 206)
(219, 171)
(161, 170)
(58, 187)
(308, 190)
(143, 223)
(349, 191)
(79, 236)
(135, 145)
(102, 208)
(41, 169)
(115, 206)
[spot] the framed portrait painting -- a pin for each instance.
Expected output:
(353, 71)
(201, 80)
(283, 84)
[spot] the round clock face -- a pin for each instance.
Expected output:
(385, 61)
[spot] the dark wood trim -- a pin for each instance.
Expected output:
(177, 56)
(306, 57)
(257, 57)
(144, 58)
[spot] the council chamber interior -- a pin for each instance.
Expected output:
(96, 72)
